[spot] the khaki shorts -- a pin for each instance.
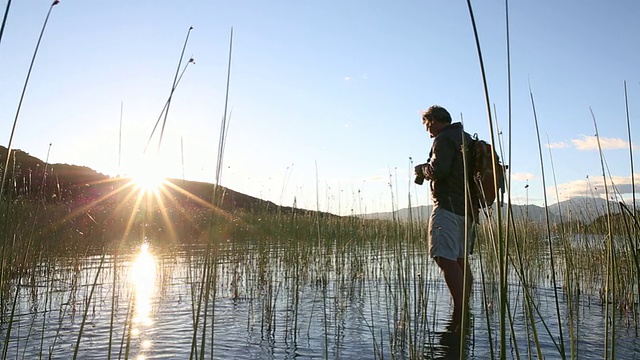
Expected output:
(447, 234)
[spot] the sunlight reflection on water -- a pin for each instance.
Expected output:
(142, 276)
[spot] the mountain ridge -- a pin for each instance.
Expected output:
(580, 209)
(31, 178)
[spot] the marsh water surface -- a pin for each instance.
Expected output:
(264, 303)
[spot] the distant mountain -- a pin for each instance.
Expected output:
(583, 209)
(421, 213)
(534, 213)
(578, 209)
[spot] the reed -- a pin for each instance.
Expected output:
(633, 233)
(24, 90)
(610, 277)
(569, 283)
(4, 19)
(6, 241)
(281, 261)
(86, 309)
(502, 243)
(549, 237)
(113, 303)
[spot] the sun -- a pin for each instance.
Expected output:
(148, 182)
(148, 178)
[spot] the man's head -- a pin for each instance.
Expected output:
(435, 118)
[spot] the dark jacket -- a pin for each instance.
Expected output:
(446, 168)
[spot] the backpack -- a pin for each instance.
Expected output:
(480, 164)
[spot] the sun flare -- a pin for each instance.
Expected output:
(148, 179)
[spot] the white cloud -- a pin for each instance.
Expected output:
(522, 176)
(378, 178)
(356, 78)
(594, 186)
(588, 143)
(591, 143)
(558, 145)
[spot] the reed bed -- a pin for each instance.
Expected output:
(299, 276)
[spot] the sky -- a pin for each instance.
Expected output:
(325, 97)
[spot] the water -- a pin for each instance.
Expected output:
(265, 303)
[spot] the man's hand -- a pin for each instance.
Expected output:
(419, 172)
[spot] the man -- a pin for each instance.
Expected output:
(450, 223)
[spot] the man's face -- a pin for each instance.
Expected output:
(433, 127)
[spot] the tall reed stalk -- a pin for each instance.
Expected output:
(4, 19)
(24, 90)
(209, 271)
(5, 170)
(224, 127)
(634, 235)
(528, 303)
(502, 241)
(173, 88)
(549, 237)
(113, 301)
(87, 306)
(610, 282)
(176, 80)
(633, 181)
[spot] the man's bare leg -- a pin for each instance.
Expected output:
(454, 277)
(468, 277)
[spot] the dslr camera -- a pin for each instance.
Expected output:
(419, 174)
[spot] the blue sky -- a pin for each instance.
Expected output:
(325, 96)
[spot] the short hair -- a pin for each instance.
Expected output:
(436, 113)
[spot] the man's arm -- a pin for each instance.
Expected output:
(443, 153)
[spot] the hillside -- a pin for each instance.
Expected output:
(31, 178)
